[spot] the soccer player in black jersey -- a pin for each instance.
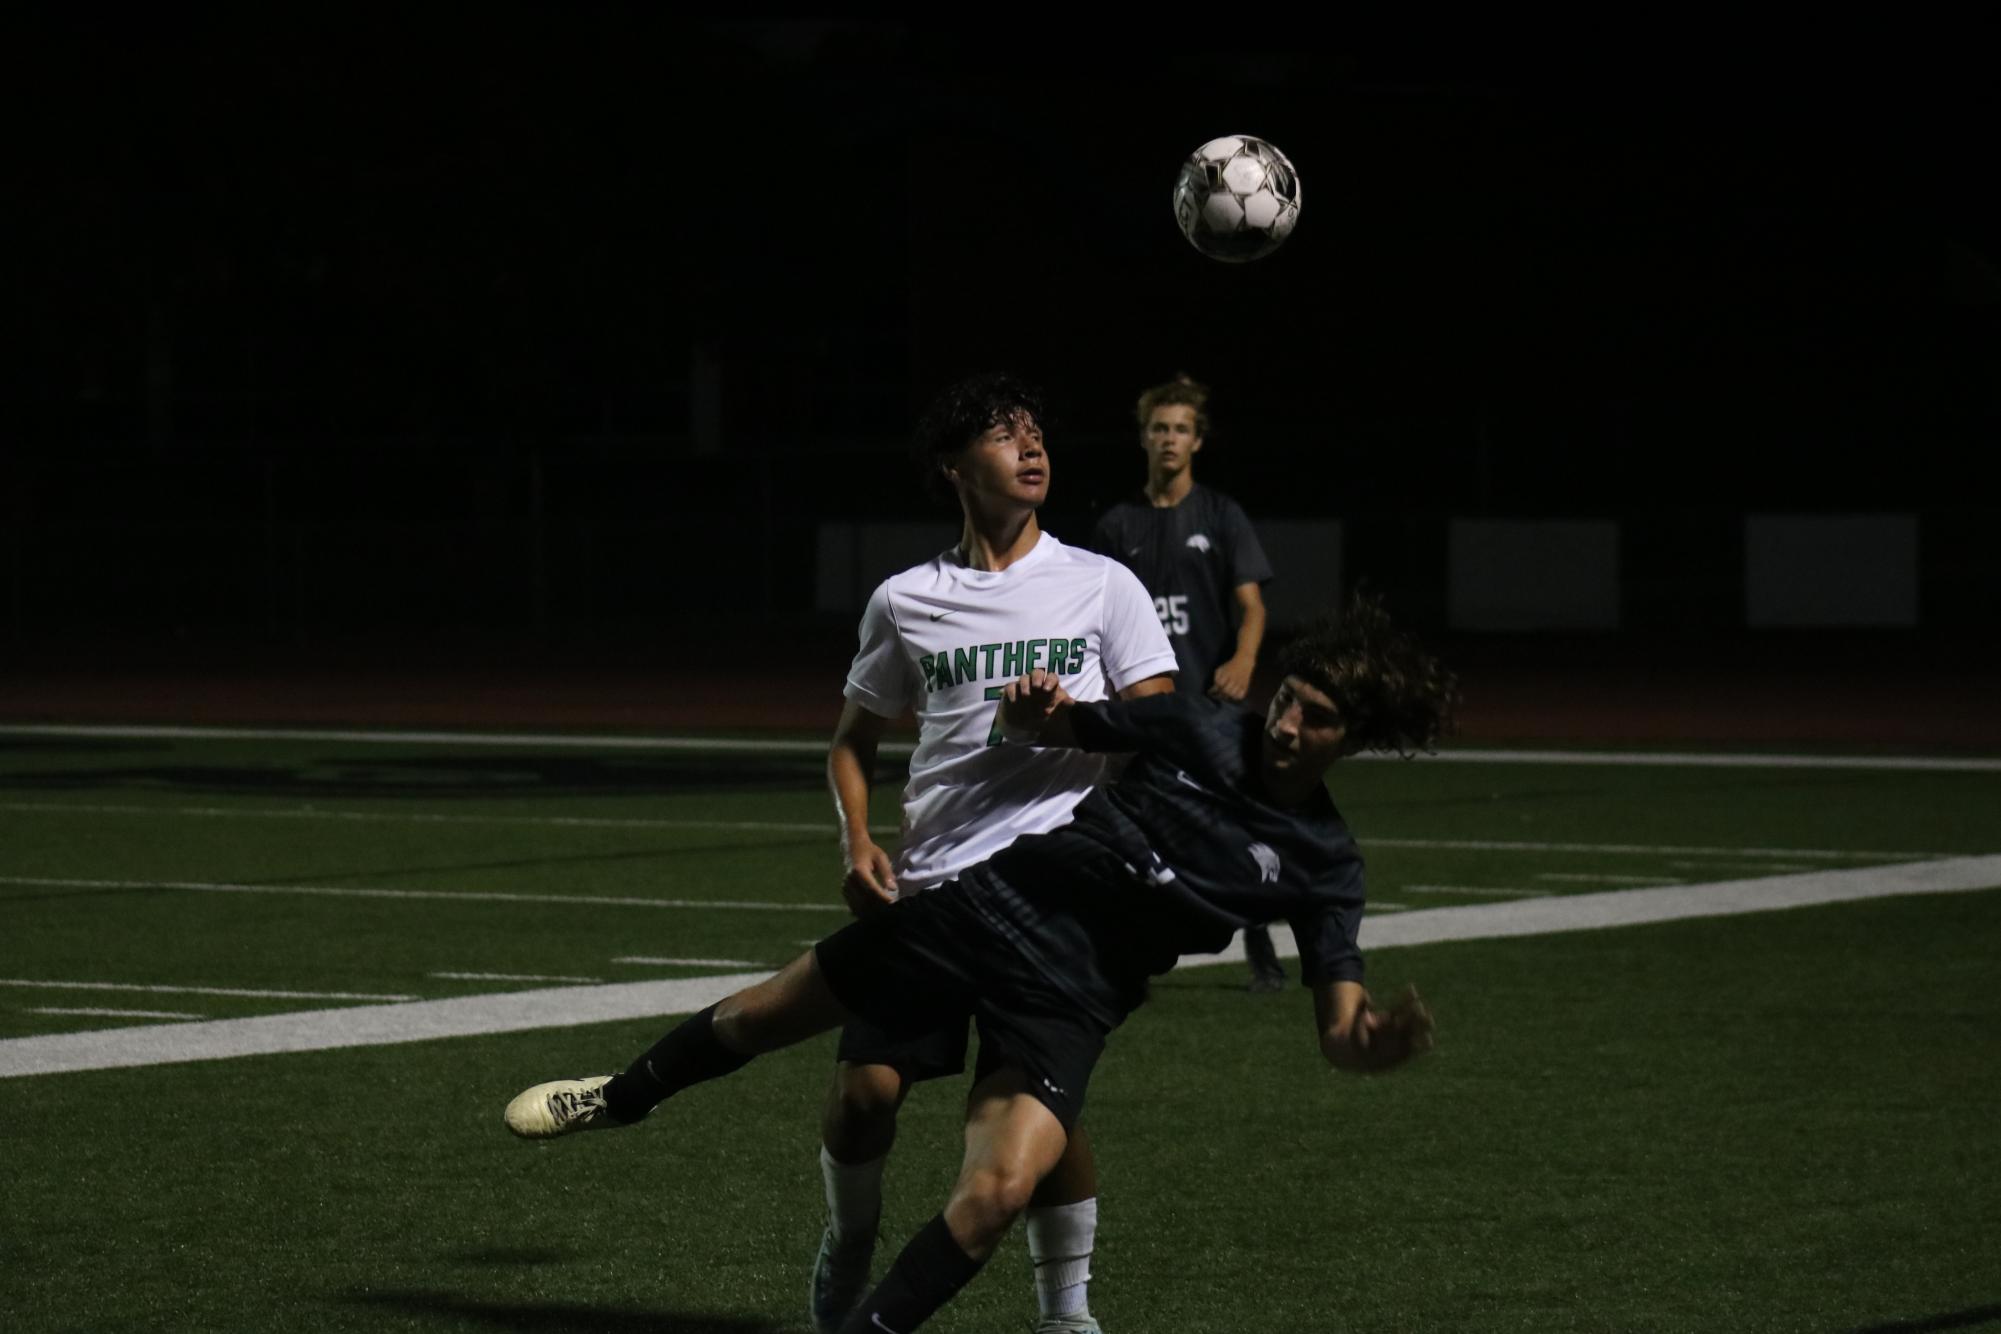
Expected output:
(1220, 818)
(1202, 563)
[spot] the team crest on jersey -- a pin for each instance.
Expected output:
(1267, 861)
(1199, 542)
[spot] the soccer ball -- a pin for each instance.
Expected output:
(1236, 199)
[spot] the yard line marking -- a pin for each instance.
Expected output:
(64, 985)
(1713, 864)
(1551, 914)
(1375, 906)
(1593, 877)
(562, 1007)
(1483, 893)
(513, 977)
(1671, 759)
(765, 746)
(111, 1014)
(691, 963)
(554, 740)
(365, 1026)
(468, 895)
(1641, 849)
(827, 828)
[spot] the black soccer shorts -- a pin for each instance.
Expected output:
(935, 954)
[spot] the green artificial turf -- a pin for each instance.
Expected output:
(1781, 1121)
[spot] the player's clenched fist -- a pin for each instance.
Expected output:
(870, 881)
(1032, 709)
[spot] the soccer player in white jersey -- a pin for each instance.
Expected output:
(941, 640)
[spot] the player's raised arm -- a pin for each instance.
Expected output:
(1360, 1036)
(868, 880)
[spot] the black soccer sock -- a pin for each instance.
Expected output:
(689, 1054)
(928, 1273)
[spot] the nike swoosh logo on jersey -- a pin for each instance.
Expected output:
(941, 615)
(876, 1320)
(1181, 776)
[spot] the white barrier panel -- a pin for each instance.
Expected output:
(1827, 571)
(1509, 574)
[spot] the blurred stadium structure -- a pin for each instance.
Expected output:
(608, 333)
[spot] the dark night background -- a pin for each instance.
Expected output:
(561, 330)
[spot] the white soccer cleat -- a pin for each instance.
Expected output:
(840, 1278)
(560, 1107)
(1084, 1323)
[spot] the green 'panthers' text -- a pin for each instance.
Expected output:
(1000, 662)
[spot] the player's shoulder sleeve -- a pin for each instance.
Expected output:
(881, 678)
(1131, 642)
(1248, 562)
(1105, 533)
(1329, 931)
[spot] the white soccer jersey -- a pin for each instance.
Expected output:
(941, 639)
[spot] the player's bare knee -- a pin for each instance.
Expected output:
(868, 1092)
(988, 1200)
(859, 1122)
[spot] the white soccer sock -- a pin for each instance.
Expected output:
(1059, 1243)
(854, 1193)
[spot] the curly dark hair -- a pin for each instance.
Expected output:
(1392, 695)
(963, 412)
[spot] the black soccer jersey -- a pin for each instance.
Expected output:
(1192, 557)
(1185, 849)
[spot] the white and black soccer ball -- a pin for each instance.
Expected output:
(1237, 198)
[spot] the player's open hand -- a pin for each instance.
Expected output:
(870, 882)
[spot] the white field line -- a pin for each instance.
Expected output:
(827, 828)
(65, 985)
(562, 1007)
(760, 746)
(1484, 893)
(823, 827)
(689, 963)
(469, 896)
(1592, 877)
(1640, 907)
(95, 1012)
(365, 1026)
(1641, 849)
(540, 740)
(514, 977)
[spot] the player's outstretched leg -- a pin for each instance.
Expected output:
(1267, 973)
(790, 1006)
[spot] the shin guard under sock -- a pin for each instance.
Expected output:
(689, 1054)
(928, 1273)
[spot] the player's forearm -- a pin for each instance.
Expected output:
(850, 777)
(1056, 729)
(1251, 632)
